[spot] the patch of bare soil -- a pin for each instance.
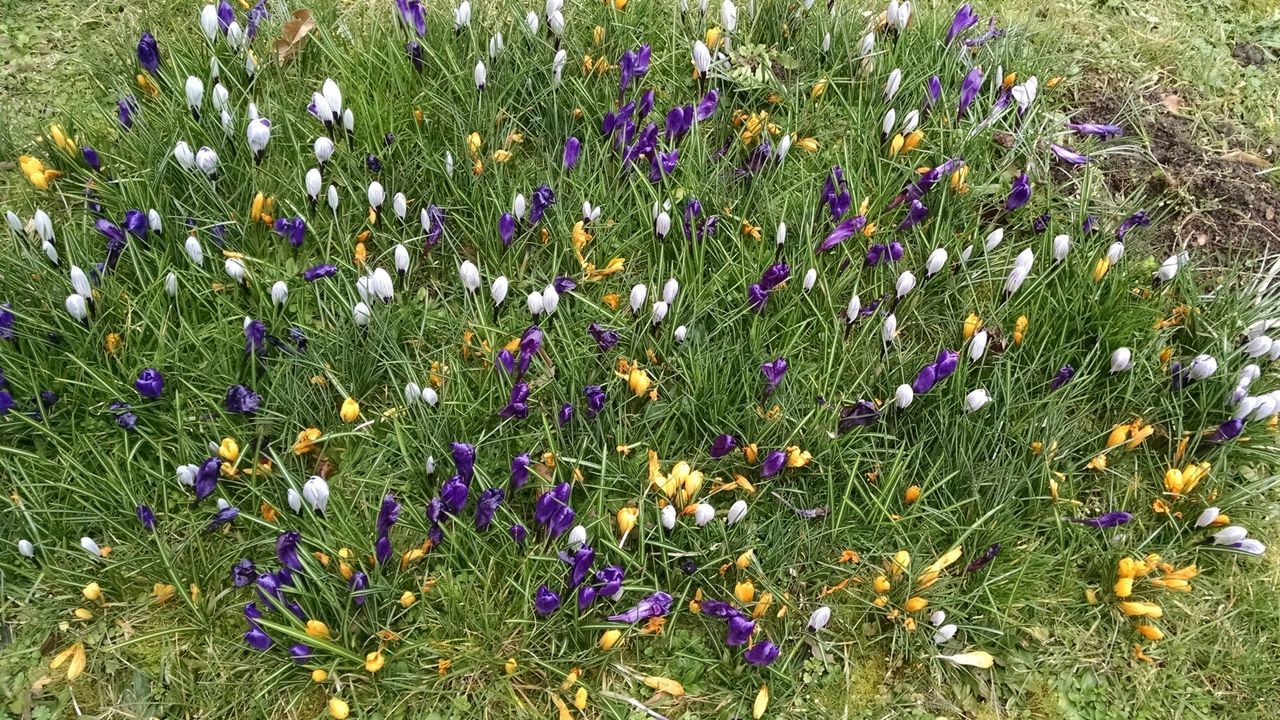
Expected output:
(1217, 197)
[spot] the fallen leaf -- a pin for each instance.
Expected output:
(1245, 158)
(1172, 103)
(293, 35)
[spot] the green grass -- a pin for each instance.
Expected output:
(75, 473)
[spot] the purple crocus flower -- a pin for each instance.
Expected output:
(506, 228)
(1129, 223)
(581, 561)
(773, 372)
(255, 335)
(300, 653)
(773, 463)
(572, 148)
(917, 190)
(761, 654)
(707, 105)
(565, 416)
(435, 218)
(740, 629)
(520, 471)
(835, 194)
(1115, 518)
(91, 158)
(964, 19)
(414, 50)
(135, 223)
(969, 90)
(605, 338)
(243, 573)
(925, 379)
(486, 506)
(656, 605)
(946, 363)
(257, 14)
(207, 478)
(1020, 193)
(358, 583)
(517, 407)
(1041, 223)
(226, 15)
(549, 502)
(543, 198)
(150, 384)
(1228, 430)
(984, 559)
(610, 579)
(530, 345)
(1064, 375)
(723, 445)
(678, 121)
(506, 361)
(148, 52)
(774, 275)
(915, 213)
(453, 495)
(316, 272)
(1068, 155)
(863, 412)
(545, 601)
(718, 609)
(464, 459)
(992, 32)
(932, 93)
(146, 517)
(222, 517)
(564, 284)
(124, 111)
(561, 521)
(1106, 132)
(845, 230)
(388, 514)
(291, 229)
(240, 399)
(257, 638)
(1090, 225)
(757, 297)
(632, 65)
(595, 399)
(646, 103)
(518, 533)
(123, 415)
(287, 549)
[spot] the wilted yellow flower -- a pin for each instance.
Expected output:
(1019, 329)
(978, 659)
(1150, 632)
(797, 458)
(92, 592)
(901, 563)
(306, 441)
(912, 494)
(1138, 433)
(580, 698)
(713, 37)
(162, 592)
(112, 343)
(762, 605)
(971, 325)
(913, 140)
(1100, 269)
(610, 639)
(639, 382)
(408, 599)
(666, 685)
(82, 614)
(809, 145)
(895, 145)
(474, 143)
(374, 661)
(1119, 434)
(319, 675)
(958, 179)
(1099, 462)
(818, 88)
(881, 584)
(228, 450)
(915, 604)
(501, 156)
(338, 709)
(1136, 608)
(350, 410)
(744, 559)
(510, 666)
(745, 591)
(1123, 587)
(75, 654)
(627, 518)
(317, 629)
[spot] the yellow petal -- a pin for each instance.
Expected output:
(977, 658)
(666, 685)
(762, 702)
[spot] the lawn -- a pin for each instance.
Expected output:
(774, 382)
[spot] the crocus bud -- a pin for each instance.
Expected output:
(381, 286)
(737, 512)
(412, 393)
(703, 513)
(903, 396)
(294, 499)
(781, 237)
(480, 74)
(279, 293)
(258, 134)
(531, 22)
(534, 303)
(312, 182)
(235, 269)
(209, 22)
(361, 315)
(855, 307)
(171, 285)
(316, 492)
(819, 618)
(90, 546)
(399, 205)
(332, 96)
(333, 198)
(323, 148)
(1207, 517)
(1115, 251)
(401, 258)
(376, 194)
(80, 282)
(935, 262)
(1121, 360)
(906, 283)
(889, 330)
(1061, 246)
(498, 291)
(659, 312)
(944, 633)
(662, 224)
(667, 515)
(1017, 276)
(669, 291)
(77, 308)
(50, 251)
(577, 537)
(1258, 346)
(810, 277)
(432, 398)
(978, 345)
(892, 84)
(43, 225)
(681, 333)
(701, 57)
(890, 119)
(1230, 535)
(867, 45)
(207, 161)
(15, 223)
(194, 250)
(550, 299)
(910, 122)
(349, 121)
(26, 549)
(1202, 367)
(976, 399)
(470, 275)
(183, 154)
(195, 94)
(993, 240)
(638, 294)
